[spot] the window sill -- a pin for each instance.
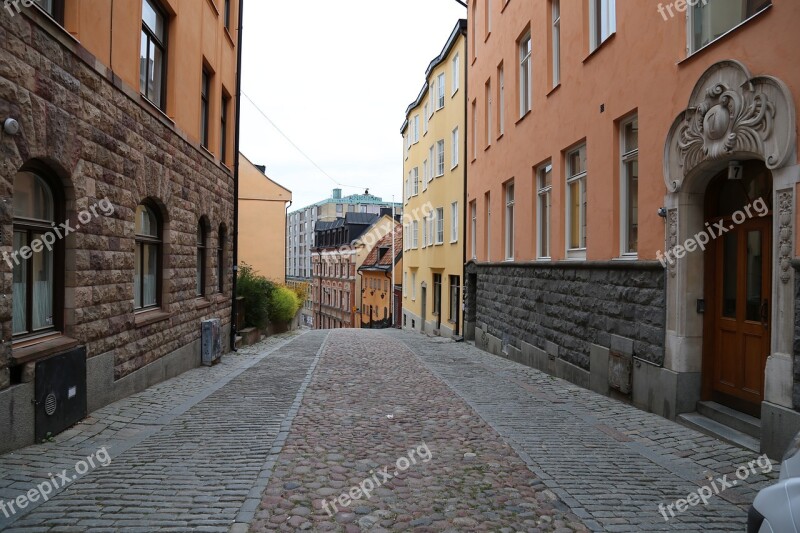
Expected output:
(453, 94)
(724, 35)
(486, 39)
(500, 136)
(486, 149)
(157, 109)
(145, 318)
(29, 350)
(455, 241)
(230, 37)
(599, 47)
(556, 87)
(454, 167)
(201, 302)
(523, 117)
(627, 257)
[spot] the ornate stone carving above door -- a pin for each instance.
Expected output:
(730, 114)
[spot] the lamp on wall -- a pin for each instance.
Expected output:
(11, 126)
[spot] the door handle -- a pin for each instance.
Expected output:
(764, 312)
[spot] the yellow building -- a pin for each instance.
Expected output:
(434, 179)
(262, 216)
(379, 272)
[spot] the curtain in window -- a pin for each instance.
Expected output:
(19, 289)
(42, 288)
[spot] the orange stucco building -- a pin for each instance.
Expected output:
(602, 138)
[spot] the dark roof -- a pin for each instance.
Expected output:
(322, 226)
(374, 261)
(360, 218)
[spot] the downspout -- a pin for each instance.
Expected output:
(361, 306)
(286, 243)
(466, 205)
(237, 139)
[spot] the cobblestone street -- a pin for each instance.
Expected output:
(293, 433)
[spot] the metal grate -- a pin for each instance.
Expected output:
(50, 404)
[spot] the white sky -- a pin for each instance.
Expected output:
(336, 77)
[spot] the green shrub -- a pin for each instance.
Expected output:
(301, 290)
(257, 292)
(284, 304)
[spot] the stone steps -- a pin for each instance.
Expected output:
(720, 431)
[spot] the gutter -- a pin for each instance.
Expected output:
(237, 140)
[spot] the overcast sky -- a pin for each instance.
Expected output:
(336, 78)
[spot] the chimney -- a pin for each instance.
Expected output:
(337, 194)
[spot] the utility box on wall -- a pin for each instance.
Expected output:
(211, 340)
(59, 393)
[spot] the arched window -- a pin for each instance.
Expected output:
(147, 268)
(221, 258)
(37, 257)
(201, 258)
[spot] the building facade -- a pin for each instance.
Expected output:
(118, 192)
(380, 270)
(434, 171)
(262, 216)
(632, 190)
(301, 224)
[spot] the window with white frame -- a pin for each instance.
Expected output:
(456, 73)
(425, 178)
(431, 162)
(440, 158)
(544, 187)
(425, 242)
(406, 146)
(425, 118)
(416, 130)
(415, 234)
(440, 82)
(405, 283)
(454, 222)
(509, 222)
(431, 104)
(413, 284)
(630, 185)
(473, 229)
(501, 100)
(431, 227)
(439, 225)
(474, 129)
(488, 226)
(415, 179)
(576, 201)
(488, 103)
(556, 36)
(454, 149)
(525, 75)
(711, 19)
(602, 21)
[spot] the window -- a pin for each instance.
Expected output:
(525, 75)
(544, 186)
(474, 129)
(440, 158)
(501, 100)
(223, 140)
(425, 177)
(431, 162)
(204, 109)
(711, 19)
(487, 105)
(430, 104)
(474, 31)
(630, 185)
(405, 284)
(509, 222)
(488, 225)
(415, 234)
(556, 44)
(416, 129)
(487, 4)
(221, 238)
(147, 258)
(425, 118)
(454, 222)
(413, 284)
(201, 258)
(339, 209)
(456, 73)
(226, 14)
(576, 199)
(602, 22)
(473, 229)
(439, 225)
(54, 8)
(454, 149)
(455, 290)
(440, 81)
(153, 56)
(415, 179)
(37, 271)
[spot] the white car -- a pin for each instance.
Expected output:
(776, 508)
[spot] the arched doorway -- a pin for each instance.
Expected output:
(737, 285)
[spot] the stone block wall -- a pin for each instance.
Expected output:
(796, 389)
(103, 140)
(574, 305)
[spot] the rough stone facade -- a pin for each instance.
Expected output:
(796, 390)
(103, 140)
(573, 305)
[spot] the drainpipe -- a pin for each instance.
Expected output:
(286, 244)
(237, 139)
(463, 317)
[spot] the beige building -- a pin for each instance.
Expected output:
(262, 216)
(434, 172)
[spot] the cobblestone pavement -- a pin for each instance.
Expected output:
(610, 462)
(370, 403)
(186, 454)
